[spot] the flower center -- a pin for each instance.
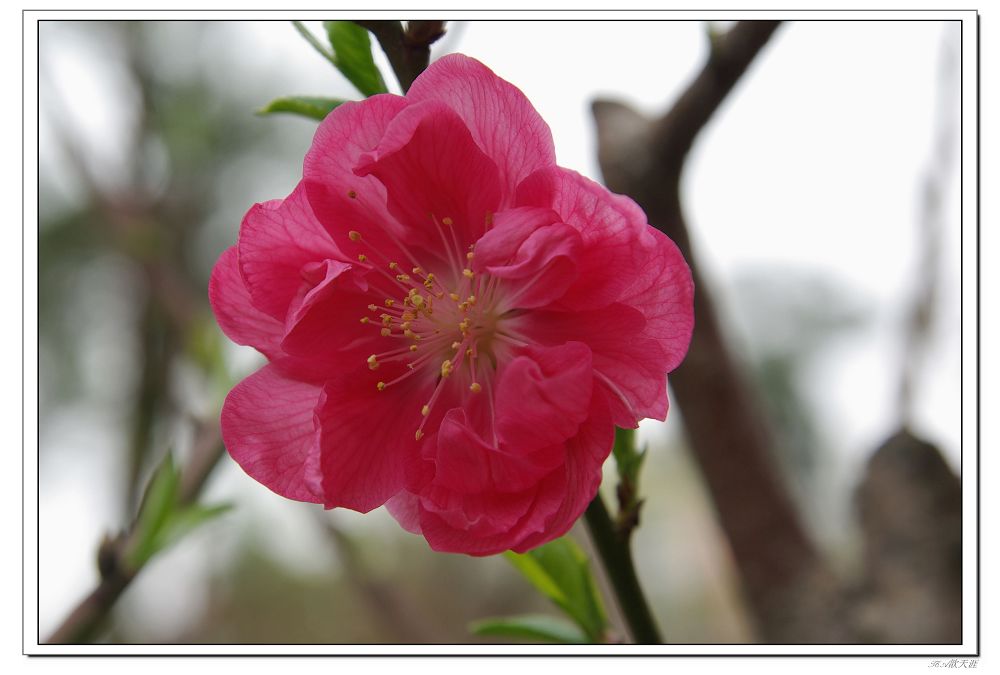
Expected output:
(451, 326)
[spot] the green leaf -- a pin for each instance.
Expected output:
(161, 520)
(183, 522)
(537, 627)
(352, 54)
(629, 462)
(316, 44)
(312, 107)
(158, 502)
(561, 572)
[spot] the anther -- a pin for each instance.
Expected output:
(447, 221)
(380, 386)
(364, 319)
(417, 300)
(354, 235)
(453, 296)
(352, 194)
(467, 272)
(425, 410)
(446, 369)
(475, 388)
(389, 302)
(470, 255)
(372, 362)
(418, 435)
(413, 348)
(386, 332)
(362, 257)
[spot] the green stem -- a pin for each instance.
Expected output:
(616, 555)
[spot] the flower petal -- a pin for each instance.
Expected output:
(242, 323)
(616, 237)
(432, 169)
(581, 477)
(324, 327)
(533, 253)
(277, 239)
(465, 463)
(502, 120)
(542, 395)
(663, 291)
(267, 427)
(630, 365)
(484, 524)
(367, 437)
(342, 200)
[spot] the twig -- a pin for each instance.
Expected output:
(83, 623)
(409, 50)
(644, 158)
(616, 555)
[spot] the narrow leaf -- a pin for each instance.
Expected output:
(561, 571)
(316, 44)
(158, 502)
(312, 107)
(537, 627)
(352, 54)
(183, 522)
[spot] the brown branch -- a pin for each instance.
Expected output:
(86, 620)
(783, 576)
(409, 50)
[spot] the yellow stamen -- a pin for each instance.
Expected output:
(386, 332)
(373, 362)
(364, 319)
(380, 386)
(354, 235)
(447, 221)
(467, 272)
(418, 435)
(426, 409)
(446, 369)
(352, 194)
(362, 257)
(475, 388)
(413, 348)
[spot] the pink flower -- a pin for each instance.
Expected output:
(454, 324)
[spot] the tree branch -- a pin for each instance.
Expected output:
(644, 158)
(83, 623)
(409, 50)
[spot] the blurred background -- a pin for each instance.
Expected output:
(822, 201)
